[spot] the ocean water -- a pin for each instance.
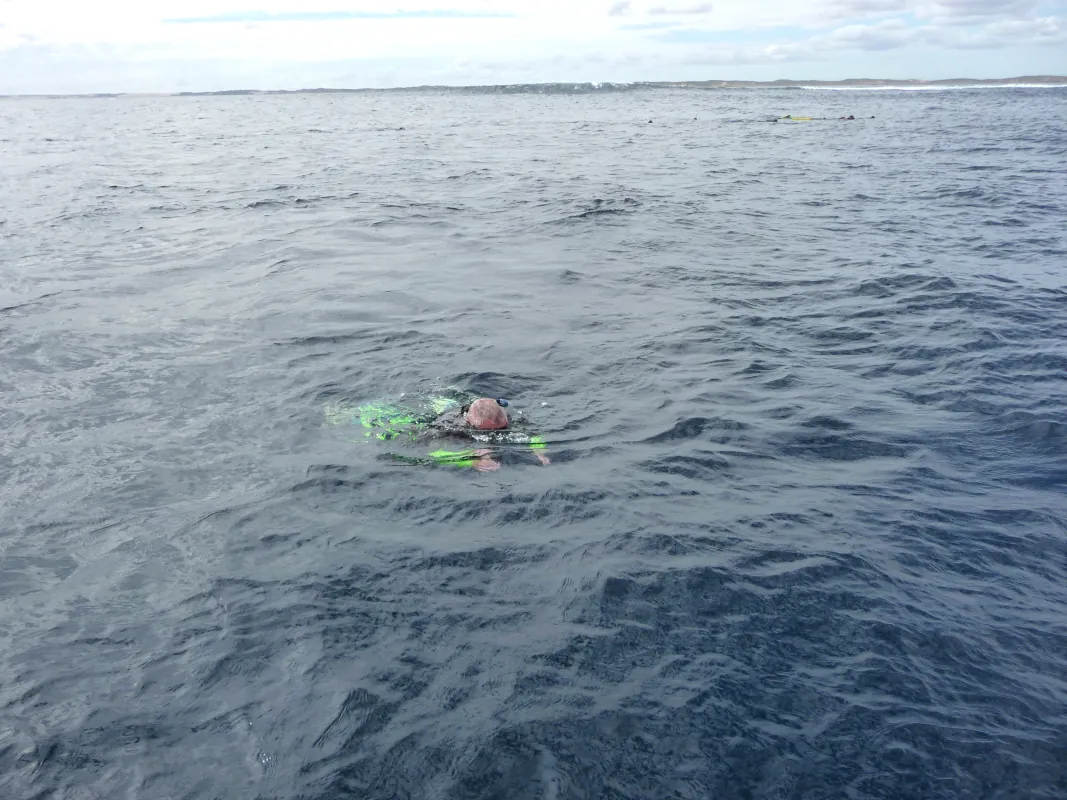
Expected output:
(804, 532)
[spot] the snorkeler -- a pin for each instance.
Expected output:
(482, 420)
(484, 414)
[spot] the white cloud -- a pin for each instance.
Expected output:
(1041, 31)
(977, 9)
(700, 8)
(887, 35)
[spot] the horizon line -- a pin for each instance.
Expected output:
(1021, 81)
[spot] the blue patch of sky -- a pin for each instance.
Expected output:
(333, 16)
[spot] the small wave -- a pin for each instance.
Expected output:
(838, 447)
(599, 207)
(703, 467)
(694, 428)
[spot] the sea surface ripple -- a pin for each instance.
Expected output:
(804, 533)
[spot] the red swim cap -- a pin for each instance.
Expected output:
(487, 415)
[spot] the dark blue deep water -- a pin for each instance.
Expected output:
(804, 533)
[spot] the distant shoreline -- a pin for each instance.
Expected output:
(1034, 81)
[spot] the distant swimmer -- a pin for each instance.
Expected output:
(452, 415)
(848, 117)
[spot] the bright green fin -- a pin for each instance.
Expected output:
(455, 458)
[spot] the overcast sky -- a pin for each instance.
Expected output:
(163, 45)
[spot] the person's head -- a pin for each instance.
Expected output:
(486, 414)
